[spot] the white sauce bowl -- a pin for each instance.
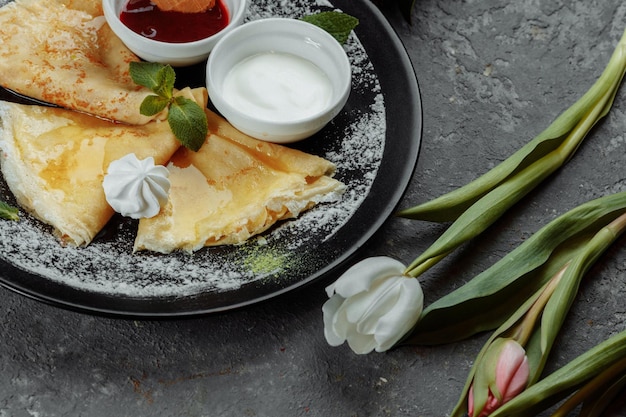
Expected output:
(175, 54)
(279, 35)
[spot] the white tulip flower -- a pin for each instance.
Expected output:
(372, 305)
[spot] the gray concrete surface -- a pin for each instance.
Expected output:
(493, 74)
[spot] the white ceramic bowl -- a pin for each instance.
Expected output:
(285, 36)
(175, 54)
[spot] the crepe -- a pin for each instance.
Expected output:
(233, 188)
(63, 52)
(54, 161)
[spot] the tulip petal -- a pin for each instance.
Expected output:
(470, 401)
(361, 343)
(400, 320)
(512, 370)
(341, 326)
(360, 276)
(330, 310)
(365, 309)
(518, 381)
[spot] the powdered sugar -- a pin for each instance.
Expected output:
(354, 141)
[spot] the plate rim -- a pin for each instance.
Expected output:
(368, 15)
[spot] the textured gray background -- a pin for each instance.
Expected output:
(493, 74)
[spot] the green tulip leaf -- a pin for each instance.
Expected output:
(595, 405)
(571, 126)
(478, 305)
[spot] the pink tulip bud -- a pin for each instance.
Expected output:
(502, 374)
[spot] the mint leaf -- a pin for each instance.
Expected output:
(8, 212)
(186, 118)
(152, 105)
(188, 122)
(157, 77)
(167, 78)
(338, 24)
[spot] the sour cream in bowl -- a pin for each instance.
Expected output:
(279, 80)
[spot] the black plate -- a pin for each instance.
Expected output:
(374, 142)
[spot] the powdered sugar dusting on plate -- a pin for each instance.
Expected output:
(354, 141)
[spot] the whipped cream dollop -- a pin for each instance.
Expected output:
(136, 188)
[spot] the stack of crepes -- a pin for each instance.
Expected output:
(54, 159)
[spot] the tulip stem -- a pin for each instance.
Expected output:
(524, 330)
(618, 225)
(593, 387)
(415, 270)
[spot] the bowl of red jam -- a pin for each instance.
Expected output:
(172, 37)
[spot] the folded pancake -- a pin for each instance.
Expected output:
(54, 161)
(233, 188)
(63, 52)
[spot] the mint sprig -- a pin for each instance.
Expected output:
(186, 118)
(338, 24)
(188, 128)
(8, 212)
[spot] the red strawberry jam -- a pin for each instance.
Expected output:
(144, 18)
